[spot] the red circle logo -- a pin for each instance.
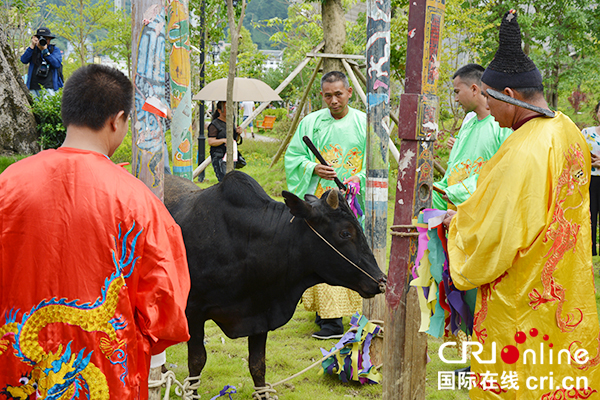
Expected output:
(520, 337)
(509, 354)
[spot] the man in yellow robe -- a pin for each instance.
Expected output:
(522, 239)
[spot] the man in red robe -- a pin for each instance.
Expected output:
(93, 271)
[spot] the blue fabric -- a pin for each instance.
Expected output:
(55, 61)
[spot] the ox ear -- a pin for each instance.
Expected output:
(311, 198)
(298, 207)
(332, 199)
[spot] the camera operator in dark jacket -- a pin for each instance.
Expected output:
(45, 63)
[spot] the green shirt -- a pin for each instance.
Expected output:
(342, 143)
(477, 142)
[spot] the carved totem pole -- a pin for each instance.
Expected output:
(406, 348)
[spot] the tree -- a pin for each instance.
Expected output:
(18, 19)
(234, 34)
(81, 22)
(334, 33)
(261, 10)
(249, 60)
(560, 36)
(117, 43)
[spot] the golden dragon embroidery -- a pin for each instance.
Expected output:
(63, 374)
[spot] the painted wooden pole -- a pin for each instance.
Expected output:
(178, 34)
(378, 136)
(405, 348)
(148, 55)
(148, 135)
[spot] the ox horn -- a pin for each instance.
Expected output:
(332, 199)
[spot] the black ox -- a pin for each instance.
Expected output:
(251, 258)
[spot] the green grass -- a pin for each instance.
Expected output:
(5, 161)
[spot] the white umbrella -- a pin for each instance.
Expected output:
(244, 89)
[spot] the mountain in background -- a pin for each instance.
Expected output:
(261, 10)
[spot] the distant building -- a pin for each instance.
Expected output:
(274, 59)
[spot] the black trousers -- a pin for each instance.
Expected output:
(594, 209)
(219, 166)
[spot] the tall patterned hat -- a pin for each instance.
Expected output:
(510, 66)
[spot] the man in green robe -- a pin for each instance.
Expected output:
(478, 140)
(339, 132)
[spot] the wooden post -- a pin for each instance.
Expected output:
(405, 348)
(378, 137)
(148, 135)
(296, 119)
(178, 33)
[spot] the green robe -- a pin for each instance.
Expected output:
(342, 143)
(477, 142)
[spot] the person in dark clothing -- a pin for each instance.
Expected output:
(45, 63)
(592, 137)
(217, 140)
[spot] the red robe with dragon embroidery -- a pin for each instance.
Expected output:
(93, 279)
(523, 239)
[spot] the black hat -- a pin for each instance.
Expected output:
(44, 32)
(510, 66)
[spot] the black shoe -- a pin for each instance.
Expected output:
(318, 320)
(326, 333)
(466, 370)
(331, 328)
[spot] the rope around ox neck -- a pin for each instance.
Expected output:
(337, 251)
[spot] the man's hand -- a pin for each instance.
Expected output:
(448, 218)
(353, 178)
(325, 172)
(595, 161)
(34, 42)
(450, 142)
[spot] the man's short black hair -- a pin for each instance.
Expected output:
(529, 93)
(335, 76)
(93, 94)
(470, 73)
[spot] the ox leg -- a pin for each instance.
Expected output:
(256, 358)
(196, 349)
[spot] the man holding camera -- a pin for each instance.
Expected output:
(45, 63)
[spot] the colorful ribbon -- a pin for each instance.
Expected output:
(353, 189)
(225, 391)
(353, 362)
(444, 309)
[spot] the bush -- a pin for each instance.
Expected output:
(50, 128)
(280, 113)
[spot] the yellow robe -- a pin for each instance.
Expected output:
(523, 239)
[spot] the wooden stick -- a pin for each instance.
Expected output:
(342, 56)
(440, 191)
(315, 151)
(296, 119)
(281, 86)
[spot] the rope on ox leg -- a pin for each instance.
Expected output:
(186, 391)
(264, 392)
